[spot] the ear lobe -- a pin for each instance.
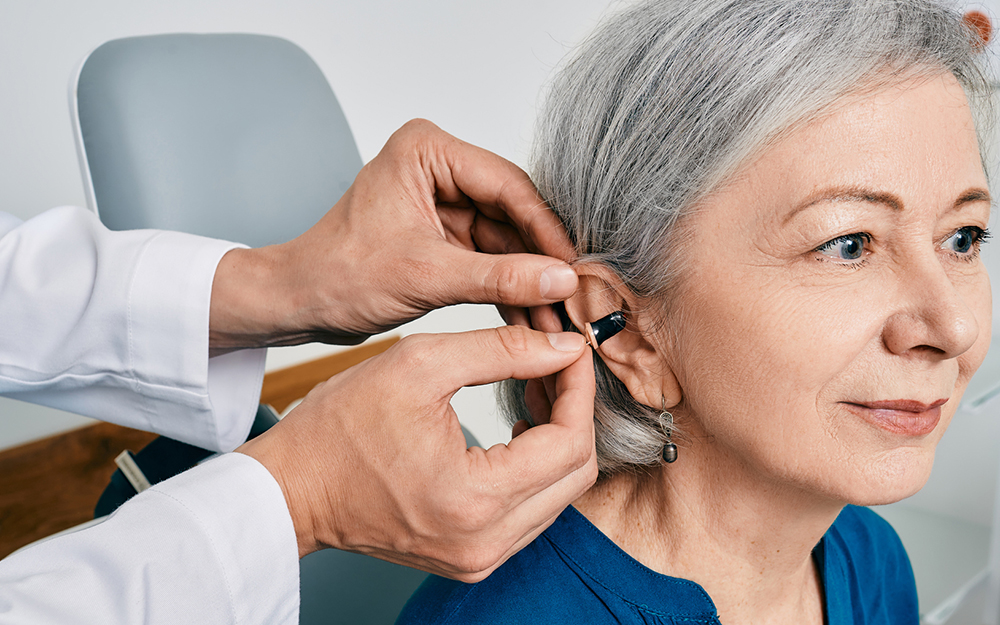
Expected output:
(630, 356)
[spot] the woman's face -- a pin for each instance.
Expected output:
(835, 305)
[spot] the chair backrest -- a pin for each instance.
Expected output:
(232, 136)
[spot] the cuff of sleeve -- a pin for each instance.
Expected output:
(208, 403)
(234, 384)
(242, 512)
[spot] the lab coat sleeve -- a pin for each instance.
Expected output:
(114, 325)
(212, 545)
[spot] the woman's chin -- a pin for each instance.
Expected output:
(889, 477)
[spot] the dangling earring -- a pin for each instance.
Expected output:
(669, 450)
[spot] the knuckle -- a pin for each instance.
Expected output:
(475, 562)
(414, 130)
(420, 124)
(410, 142)
(419, 137)
(592, 472)
(584, 468)
(582, 453)
(506, 284)
(472, 578)
(515, 340)
(584, 461)
(413, 352)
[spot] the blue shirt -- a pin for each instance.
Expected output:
(574, 574)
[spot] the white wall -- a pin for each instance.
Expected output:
(474, 68)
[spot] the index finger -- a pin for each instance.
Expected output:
(553, 452)
(503, 192)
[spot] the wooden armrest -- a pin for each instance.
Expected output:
(284, 386)
(54, 483)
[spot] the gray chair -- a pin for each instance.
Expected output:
(233, 136)
(237, 137)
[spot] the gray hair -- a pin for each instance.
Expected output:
(669, 98)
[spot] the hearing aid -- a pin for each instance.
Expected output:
(604, 328)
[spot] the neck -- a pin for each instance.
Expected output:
(745, 539)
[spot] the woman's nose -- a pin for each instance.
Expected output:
(930, 316)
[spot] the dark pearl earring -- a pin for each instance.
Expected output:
(669, 452)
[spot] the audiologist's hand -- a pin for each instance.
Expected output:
(431, 221)
(374, 460)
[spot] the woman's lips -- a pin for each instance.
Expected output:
(900, 416)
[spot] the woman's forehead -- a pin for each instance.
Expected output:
(916, 137)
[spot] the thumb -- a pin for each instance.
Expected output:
(520, 280)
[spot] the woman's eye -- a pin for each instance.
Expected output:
(849, 247)
(966, 241)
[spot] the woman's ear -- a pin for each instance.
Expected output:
(630, 355)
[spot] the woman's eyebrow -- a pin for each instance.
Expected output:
(847, 194)
(889, 200)
(974, 195)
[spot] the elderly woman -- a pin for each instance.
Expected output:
(786, 198)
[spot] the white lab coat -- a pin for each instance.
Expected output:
(114, 325)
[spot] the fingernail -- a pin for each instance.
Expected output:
(566, 341)
(557, 282)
